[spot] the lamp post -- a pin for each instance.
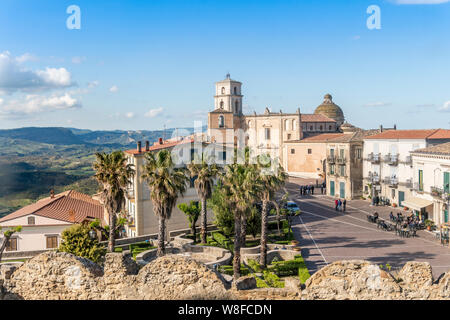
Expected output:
(92, 234)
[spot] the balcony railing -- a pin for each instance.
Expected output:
(392, 182)
(373, 157)
(437, 192)
(408, 184)
(331, 159)
(341, 160)
(391, 159)
(408, 160)
(418, 187)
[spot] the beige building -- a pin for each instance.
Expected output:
(275, 133)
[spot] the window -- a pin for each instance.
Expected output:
(330, 128)
(250, 123)
(222, 155)
(52, 242)
(321, 128)
(332, 153)
(358, 153)
(223, 90)
(11, 245)
(267, 133)
(292, 151)
(393, 194)
(235, 90)
(236, 107)
(341, 153)
(286, 125)
(342, 171)
(420, 180)
(31, 220)
(221, 104)
(289, 136)
(311, 128)
(332, 169)
(294, 125)
(447, 182)
(309, 151)
(221, 122)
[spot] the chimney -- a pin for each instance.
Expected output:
(139, 147)
(381, 128)
(395, 127)
(160, 141)
(72, 216)
(147, 146)
(52, 194)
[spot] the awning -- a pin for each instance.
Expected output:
(417, 203)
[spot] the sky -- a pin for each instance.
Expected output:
(143, 65)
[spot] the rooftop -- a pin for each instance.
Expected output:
(413, 134)
(159, 146)
(439, 149)
(60, 207)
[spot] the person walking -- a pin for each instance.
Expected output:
(321, 189)
(339, 204)
(312, 190)
(345, 204)
(336, 203)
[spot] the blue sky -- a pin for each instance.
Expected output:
(145, 64)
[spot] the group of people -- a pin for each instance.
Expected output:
(412, 221)
(309, 189)
(340, 205)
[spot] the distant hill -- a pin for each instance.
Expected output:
(36, 140)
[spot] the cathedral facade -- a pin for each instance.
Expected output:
(271, 133)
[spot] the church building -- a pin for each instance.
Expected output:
(271, 132)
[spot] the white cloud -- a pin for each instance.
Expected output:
(154, 112)
(445, 107)
(26, 57)
(33, 104)
(419, 1)
(114, 89)
(93, 84)
(13, 77)
(130, 115)
(378, 104)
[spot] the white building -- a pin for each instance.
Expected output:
(43, 222)
(431, 168)
(387, 167)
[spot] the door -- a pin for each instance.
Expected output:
(331, 188)
(401, 198)
(342, 190)
(445, 216)
(447, 182)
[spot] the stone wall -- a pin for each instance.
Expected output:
(54, 275)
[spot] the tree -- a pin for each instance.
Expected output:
(204, 175)
(114, 175)
(271, 181)
(104, 230)
(223, 216)
(192, 212)
(166, 183)
(239, 193)
(76, 240)
(253, 221)
(6, 237)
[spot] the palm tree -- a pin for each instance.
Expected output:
(271, 181)
(204, 175)
(238, 185)
(166, 183)
(114, 175)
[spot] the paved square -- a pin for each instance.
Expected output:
(326, 235)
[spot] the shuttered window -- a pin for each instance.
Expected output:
(11, 245)
(52, 242)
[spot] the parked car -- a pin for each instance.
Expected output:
(293, 207)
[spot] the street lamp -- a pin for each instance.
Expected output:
(93, 234)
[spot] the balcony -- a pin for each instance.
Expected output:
(408, 161)
(437, 192)
(331, 159)
(341, 160)
(408, 184)
(418, 187)
(391, 181)
(373, 157)
(391, 159)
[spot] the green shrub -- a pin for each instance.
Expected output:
(288, 267)
(76, 240)
(260, 283)
(273, 280)
(254, 265)
(227, 269)
(118, 250)
(303, 275)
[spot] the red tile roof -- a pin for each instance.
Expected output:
(323, 137)
(166, 144)
(60, 208)
(413, 134)
(315, 118)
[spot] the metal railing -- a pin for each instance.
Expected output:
(331, 159)
(437, 192)
(373, 157)
(341, 160)
(391, 159)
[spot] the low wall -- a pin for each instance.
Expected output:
(22, 254)
(282, 252)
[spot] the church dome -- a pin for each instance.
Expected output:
(329, 109)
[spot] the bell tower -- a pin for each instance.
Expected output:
(227, 116)
(228, 96)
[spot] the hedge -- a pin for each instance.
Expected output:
(254, 265)
(289, 267)
(227, 269)
(273, 280)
